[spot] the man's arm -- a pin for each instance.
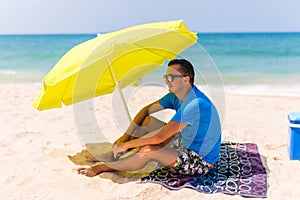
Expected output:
(138, 119)
(162, 135)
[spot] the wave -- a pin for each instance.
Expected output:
(7, 72)
(265, 90)
(17, 76)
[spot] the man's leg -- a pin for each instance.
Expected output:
(164, 155)
(148, 125)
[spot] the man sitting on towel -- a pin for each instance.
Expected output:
(188, 144)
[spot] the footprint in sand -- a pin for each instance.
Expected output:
(26, 134)
(9, 180)
(8, 172)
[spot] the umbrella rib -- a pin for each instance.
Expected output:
(150, 51)
(62, 99)
(155, 52)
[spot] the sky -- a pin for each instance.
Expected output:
(92, 16)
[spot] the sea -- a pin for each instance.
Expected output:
(247, 62)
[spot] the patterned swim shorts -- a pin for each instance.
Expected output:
(188, 162)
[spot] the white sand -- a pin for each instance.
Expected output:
(34, 146)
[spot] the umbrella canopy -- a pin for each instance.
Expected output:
(97, 66)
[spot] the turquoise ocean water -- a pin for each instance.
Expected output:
(240, 58)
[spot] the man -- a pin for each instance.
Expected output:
(196, 126)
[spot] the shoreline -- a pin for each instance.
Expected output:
(273, 90)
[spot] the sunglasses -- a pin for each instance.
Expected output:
(170, 77)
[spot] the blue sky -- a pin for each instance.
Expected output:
(91, 16)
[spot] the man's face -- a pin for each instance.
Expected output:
(178, 80)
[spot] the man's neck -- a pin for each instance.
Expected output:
(183, 93)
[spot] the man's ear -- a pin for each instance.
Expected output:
(186, 79)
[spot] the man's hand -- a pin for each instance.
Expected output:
(118, 149)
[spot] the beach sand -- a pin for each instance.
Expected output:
(35, 146)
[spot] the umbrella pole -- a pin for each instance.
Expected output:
(120, 92)
(123, 101)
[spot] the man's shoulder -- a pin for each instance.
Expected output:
(170, 95)
(198, 94)
(169, 101)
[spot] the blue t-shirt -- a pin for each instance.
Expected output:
(203, 132)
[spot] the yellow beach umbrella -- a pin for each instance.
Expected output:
(112, 60)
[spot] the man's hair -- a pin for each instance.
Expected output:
(186, 68)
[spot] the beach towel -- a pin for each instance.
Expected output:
(239, 171)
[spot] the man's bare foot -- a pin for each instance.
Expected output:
(90, 171)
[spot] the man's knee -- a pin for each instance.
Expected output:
(148, 149)
(151, 123)
(146, 121)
